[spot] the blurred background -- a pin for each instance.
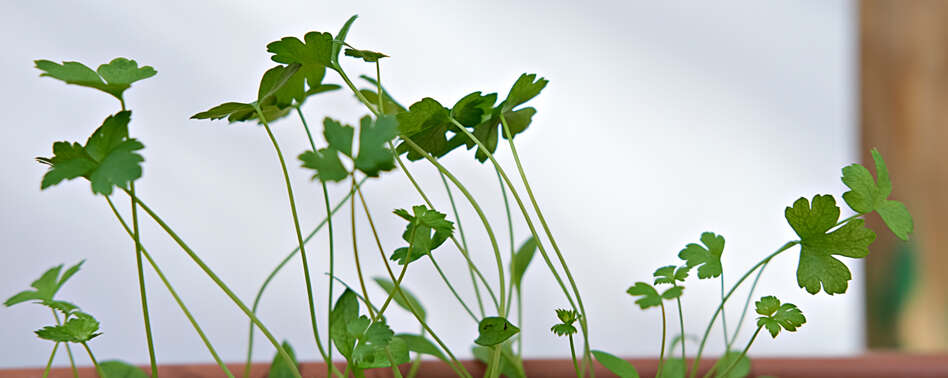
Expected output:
(661, 121)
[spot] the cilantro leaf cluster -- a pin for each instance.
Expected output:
(426, 230)
(364, 343)
(867, 195)
(567, 318)
(372, 158)
(777, 316)
(112, 78)
(706, 258)
(649, 296)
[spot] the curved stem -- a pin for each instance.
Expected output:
(279, 267)
(661, 353)
(470, 266)
(398, 290)
(707, 331)
(296, 225)
(584, 320)
(136, 237)
(220, 284)
(355, 252)
(98, 368)
(480, 213)
(451, 287)
(723, 315)
(743, 353)
(750, 296)
(572, 352)
(460, 248)
(526, 215)
(681, 323)
(510, 232)
(174, 294)
(49, 363)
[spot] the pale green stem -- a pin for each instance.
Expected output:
(723, 315)
(510, 232)
(296, 225)
(454, 240)
(136, 236)
(750, 296)
(355, 251)
(220, 284)
(707, 331)
(681, 323)
(72, 361)
(572, 352)
(470, 267)
(174, 294)
(95, 363)
(661, 353)
(451, 287)
(584, 319)
(49, 363)
(278, 268)
(743, 353)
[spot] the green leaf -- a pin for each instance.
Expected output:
(526, 88)
(817, 266)
(741, 370)
(81, 328)
(47, 285)
(472, 109)
(280, 367)
(283, 84)
(367, 55)
(563, 329)
(669, 274)
(426, 230)
(316, 50)
(673, 292)
(404, 298)
(649, 296)
(867, 194)
(345, 311)
(618, 366)
(778, 316)
(112, 78)
(708, 260)
(340, 39)
(391, 107)
(338, 135)
(374, 154)
(326, 163)
(372, 339)
(510, 365)
(521, 260)
(67, 308)
(488, 131)
(426, 123)
(420, 344)
(233, 111)
(494, 330)
(120, 369)
(567, 318)
(108, 159)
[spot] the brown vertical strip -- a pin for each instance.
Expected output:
(904, 112)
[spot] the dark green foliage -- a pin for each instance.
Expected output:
(778, 316)
(670, 274)
(707, 258)
(366, 55)
(46, 287)
(81, 328)
(867, 195)
(650, 297)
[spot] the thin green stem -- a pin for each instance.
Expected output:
(743, 353)
(681, 323)
(583, 321)
(326, 357)
(723, 315)
(354, 291)
(388, 353)
(220, 284)
(72, 361)
(480, 213)
(136, 237)
(510, 232)
(49, 363)
(463, 250)
(470, 266)
(707, 331)
(451, 287)
(355, 251)
(572, 352)
(95, 363)
(174, 294)
(661, 353)
(352, 87)
(526, 214)
(750, 296)
(459, 369)
(296, 225)
(279, 267)
(378, 83)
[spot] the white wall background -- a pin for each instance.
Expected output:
(661, 120)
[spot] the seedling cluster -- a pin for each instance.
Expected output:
(387, 140)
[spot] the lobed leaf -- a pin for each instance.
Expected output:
(112, 78)
(706, 258)
(46, 286)
(80, 329)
